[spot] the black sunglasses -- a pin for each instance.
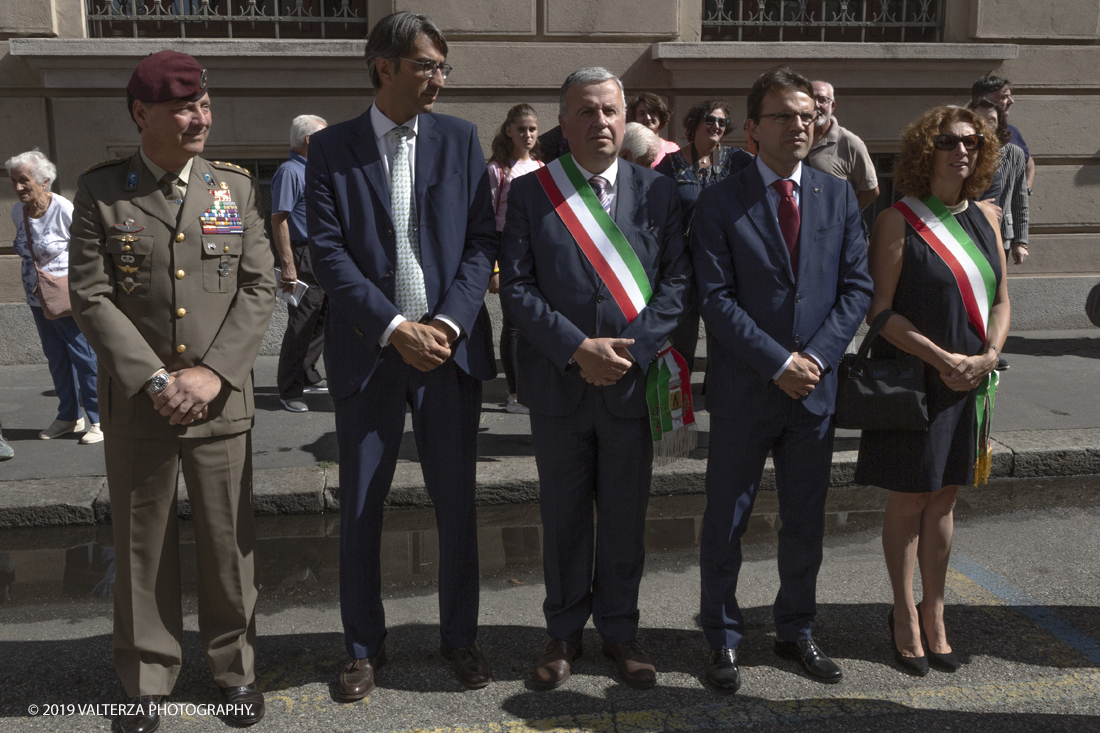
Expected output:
(721, 122)
(950, 142)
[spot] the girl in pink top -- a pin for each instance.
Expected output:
(515, 153)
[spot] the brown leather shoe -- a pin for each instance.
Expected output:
(140, 716)
(633, 664)
(357, 678)
(247, 702)
(471, 665)
(555, 665)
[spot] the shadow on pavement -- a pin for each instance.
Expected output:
(1089, 348)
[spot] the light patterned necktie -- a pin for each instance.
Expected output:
(600, 184)
(412, 299)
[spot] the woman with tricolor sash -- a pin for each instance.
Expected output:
(937, 262)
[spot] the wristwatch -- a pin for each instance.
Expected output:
(1029, 192)
(157, 384)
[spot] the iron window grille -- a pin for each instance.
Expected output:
(858, 21)
(227, 18)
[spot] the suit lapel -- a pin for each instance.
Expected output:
(755, 200)
(365, 147)
(626, 203)
(427, 157)
(808, 205)
(147, 196)
(199, 198)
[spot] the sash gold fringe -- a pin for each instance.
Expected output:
(983, 466)
(675, 445)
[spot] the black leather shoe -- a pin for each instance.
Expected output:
(722, 671)
(947, 662)
(555, 664)
(915, 665)
(141, 715)
(356, 679)
(471, 665)
(812, 659)
(247, 705)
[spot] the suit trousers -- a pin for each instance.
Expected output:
(802, 447)
(142, 477)
(304, 339)
(592, 459)
(446, 409)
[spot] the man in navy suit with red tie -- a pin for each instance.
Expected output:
(403, 242)
(781, 272)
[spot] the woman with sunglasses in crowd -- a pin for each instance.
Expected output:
(703, 162)
(938, 266)
(515, 153)
(1009, 187)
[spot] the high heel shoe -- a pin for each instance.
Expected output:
(947, 662)
(913, 665)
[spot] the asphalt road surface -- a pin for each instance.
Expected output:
(1023, 595)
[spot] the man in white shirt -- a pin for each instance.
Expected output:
(402, 240)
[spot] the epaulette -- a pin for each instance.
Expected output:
(231, 166)
(104, 164)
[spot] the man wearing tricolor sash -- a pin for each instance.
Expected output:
(781, 271)
(594, 273)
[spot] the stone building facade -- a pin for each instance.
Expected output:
(64, 65)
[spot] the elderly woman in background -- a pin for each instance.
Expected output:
(42, 220)
(701, 163)
(1009, 187)
(649, 110)
(640, 145)
(957, 327)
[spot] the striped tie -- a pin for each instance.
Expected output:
(411, 297)
(599, 185)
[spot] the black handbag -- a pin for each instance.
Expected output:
(881, 394)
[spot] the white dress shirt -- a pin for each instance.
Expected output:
(611, 175)
(387, 148)
(770, 177)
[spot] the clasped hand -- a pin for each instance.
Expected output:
(800, 377)
(423, 346)
(603, 361)
(969, 371)
(188, 394)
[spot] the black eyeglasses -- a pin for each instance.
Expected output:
(721, 122)
(785, 118)
(950, 142)
(428, 68)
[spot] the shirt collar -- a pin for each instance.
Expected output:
(158, 172)
(383, 124)
(832, 136)
(771, 176)
(610, 175)
(297, 158)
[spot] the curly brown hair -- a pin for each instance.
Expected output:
(696, 114)
(915, 161)
(655, 104)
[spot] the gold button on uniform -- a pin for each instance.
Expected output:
(180, 237)
(181, 312)
(180, 274)
(126, 248)
(181, 348)
(226, 248)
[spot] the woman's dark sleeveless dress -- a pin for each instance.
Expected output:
(927, 294)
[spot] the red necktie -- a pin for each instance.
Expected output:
(789, 219)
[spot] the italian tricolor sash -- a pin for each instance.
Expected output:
(977, 284)
(668, 383)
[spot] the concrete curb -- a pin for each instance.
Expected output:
(315, 490)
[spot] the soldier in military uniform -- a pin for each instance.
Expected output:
(173, 284)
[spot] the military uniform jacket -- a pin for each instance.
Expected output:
(149, 292)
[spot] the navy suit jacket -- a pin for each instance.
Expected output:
(555, 298)
(354, 250)
(758, 311)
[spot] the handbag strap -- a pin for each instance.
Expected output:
(876, 326)
(30, 242)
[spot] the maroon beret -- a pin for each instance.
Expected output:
(167, 75)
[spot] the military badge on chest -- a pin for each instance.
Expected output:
(124, 251)
(223, 216)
